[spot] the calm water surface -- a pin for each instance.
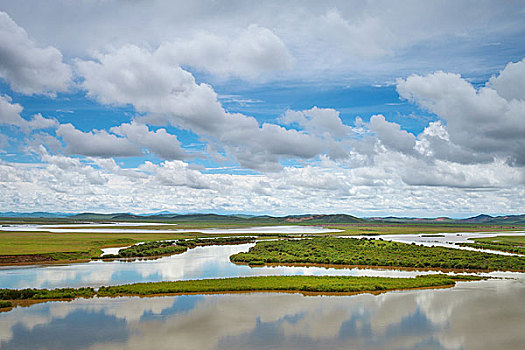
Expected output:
(475, 315)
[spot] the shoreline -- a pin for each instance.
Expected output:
(28, 303)
(372, 267)
(305, 285)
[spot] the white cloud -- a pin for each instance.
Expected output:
(177, 173)
(26, 67)
(135, 76)
(391, 135)
(339, 40)
(247, 54)
(318, 120)
(159, 142)
(97, 143)
(510, 83)
(63, 183)
(169, 94)
(10, 115)
(68, 171)
(480, 121)
(476, 145)
(434, 143)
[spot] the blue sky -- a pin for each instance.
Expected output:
(276, 108)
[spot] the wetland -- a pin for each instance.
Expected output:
(106, 303)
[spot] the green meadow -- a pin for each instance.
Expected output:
(509, 244)
(304, 284)
(370, 252)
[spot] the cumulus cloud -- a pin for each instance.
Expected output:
(135, 76)
(395, 184)
(247, 54)
(177, 173)
(125, 140)
(318, 120)
(434, 143)
(10, 115)
(159, 142)
(66, 171)
(391, 135)
(480, 121)
(28, 68)
(169, 94)
(510, 83)
(97, 143)
(476, 143)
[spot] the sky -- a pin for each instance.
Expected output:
(368, 108)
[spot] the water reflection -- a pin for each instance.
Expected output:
(475, 315)
(197, 263)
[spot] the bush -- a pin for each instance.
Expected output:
(5, 303)
(351, 251)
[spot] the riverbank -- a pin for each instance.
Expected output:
(509, 244)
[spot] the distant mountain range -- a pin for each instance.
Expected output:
(36, 214)
(313, 219)
(480, 219)
(241, 218)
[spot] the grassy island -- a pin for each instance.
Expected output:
(159, 248)
(370, 252)
(146, 249)
(39, 294)
(312, 284)
(509, 244)
(191, 243)
(303, 284)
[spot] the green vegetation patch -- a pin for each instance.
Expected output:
(369, 252)
(509, 244)
(317, 284)
(74, 245)
(36, 294)
(191, 243)
(146, 249)
(158, 248)
(5, 303)
(314, 284)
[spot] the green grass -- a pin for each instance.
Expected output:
(5, 303)
(317, 284)
(155, 248)
(71, 246)
(158, 248)
(191, 243)
(313, 284)
(37, 294)
(509, 244)
(351, 251)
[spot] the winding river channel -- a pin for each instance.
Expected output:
(450, 318)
